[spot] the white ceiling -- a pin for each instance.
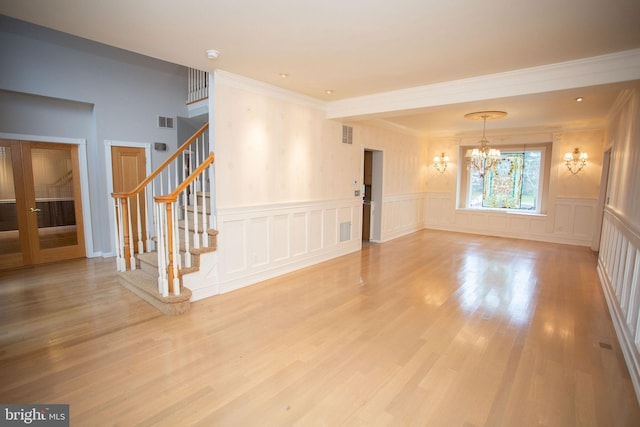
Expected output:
(363, 47)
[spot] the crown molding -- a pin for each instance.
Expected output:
(225, 78)
(604, 69)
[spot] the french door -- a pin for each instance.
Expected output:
(40, 203)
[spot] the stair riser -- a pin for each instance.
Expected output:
(152, 269)
(190, 216)
(212, 239)
(207, 200)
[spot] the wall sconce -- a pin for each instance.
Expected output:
(575, 161)
(440, 163)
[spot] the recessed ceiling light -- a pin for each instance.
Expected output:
(328, 91)
(579, 99)
(284, 75)
(213, 54)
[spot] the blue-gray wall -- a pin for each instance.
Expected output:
(55, 84)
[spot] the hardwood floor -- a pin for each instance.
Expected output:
(433, 329)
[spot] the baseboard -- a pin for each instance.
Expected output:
(547, 238)
(629, 350)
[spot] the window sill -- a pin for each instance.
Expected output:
(502, 212)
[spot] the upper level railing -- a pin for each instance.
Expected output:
(179, 180)
(197, 85)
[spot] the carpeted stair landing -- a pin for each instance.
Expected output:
(145, 286)
(144, 280)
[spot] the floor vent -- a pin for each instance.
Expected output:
(347, 134)
(345, 231)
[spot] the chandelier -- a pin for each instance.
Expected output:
(483, 158)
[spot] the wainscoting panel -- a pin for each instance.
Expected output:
(259, 242)
(402, 214)
(330, 229)
(315, 230)
(258, 238)
(280, 245)
(236, 257)
(572, 221)
(440, 210)
(619, 272)
(575, 217)
(300, 233)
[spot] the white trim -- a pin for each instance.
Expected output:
(224, 78)
(109, 183)
(40, 138)
(604, 69)
(84, 179)
(511, 148)
(283, 243)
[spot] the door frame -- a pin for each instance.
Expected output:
(84, 178)
(602, 198)
(377, 172)
(108, 168)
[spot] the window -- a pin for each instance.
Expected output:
(514, 182)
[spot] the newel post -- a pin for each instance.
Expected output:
(125, 231)
(170, 247)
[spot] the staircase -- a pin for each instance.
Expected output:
(153, 263)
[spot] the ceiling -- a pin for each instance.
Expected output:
(357, 48)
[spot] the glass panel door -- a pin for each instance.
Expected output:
(9, 234)
(40, 203)
(54, 200)
(55, 204)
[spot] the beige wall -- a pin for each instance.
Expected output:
(569, 209)
(285, 182)
(624, 139)
(585, 184)
(272, 150)
(405, 156)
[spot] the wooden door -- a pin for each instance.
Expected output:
(41, 216)
(129, 169)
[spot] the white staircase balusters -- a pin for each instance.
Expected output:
(132, 254)
(171, 191)
(148, 205)
(184, 199)
(120, 263)
(139, 222)
(197, 85)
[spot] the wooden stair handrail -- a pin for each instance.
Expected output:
(168, 200)
(155, 173)
(173, 196)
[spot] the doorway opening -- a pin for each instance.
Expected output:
(372, 196)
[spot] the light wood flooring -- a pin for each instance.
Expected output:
(433, 329)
